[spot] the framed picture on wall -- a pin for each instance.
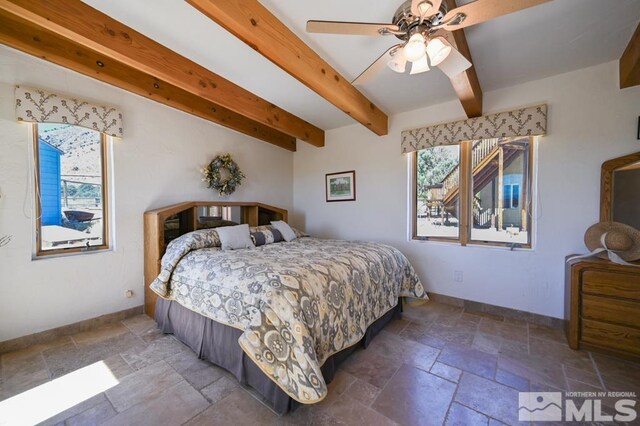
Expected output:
(341, 186)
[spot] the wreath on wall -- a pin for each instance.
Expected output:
(213, 176)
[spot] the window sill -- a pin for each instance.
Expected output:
(71, 253)
(479, 244)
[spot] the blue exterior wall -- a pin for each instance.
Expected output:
(50, 185)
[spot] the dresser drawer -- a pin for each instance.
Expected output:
(612, 336)
(615, 311)
(611, 284)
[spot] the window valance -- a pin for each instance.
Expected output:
(530, 121)
(37, 105)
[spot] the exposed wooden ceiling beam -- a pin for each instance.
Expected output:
(255, 25)
(630, 62)
(23, 35)
(465, 84)
(92, 29)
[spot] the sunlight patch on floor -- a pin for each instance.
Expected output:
(56, 396)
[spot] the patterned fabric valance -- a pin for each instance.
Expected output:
(37, 105)
(531, 121)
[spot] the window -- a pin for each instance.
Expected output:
(70, 189)
(506, 199)
(515, 196)
(511, 197)
(477, 192)
(438, 173)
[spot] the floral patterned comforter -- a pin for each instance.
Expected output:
(297, 302)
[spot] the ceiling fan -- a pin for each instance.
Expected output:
(422, 27)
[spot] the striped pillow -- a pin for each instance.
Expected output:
(265, 235)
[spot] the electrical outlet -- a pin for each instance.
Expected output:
(457, 276)
(129, 294)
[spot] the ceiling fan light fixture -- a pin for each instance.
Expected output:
(438, 49)
(419, 66)
(415, 48)
(398, 62)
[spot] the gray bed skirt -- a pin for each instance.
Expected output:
(218, 343)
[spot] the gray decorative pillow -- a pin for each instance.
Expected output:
(285, 230)
(235, 237)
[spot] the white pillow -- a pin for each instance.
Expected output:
(285, 230)
(235, 237)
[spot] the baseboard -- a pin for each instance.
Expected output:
(498, 311)
(65, 330)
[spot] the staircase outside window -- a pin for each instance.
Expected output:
(480, 187)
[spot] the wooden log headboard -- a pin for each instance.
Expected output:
(184, 218)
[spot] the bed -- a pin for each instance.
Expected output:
(281, 316)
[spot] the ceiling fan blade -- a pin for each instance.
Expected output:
(373, 69)
(484, 10)
(455, 63)
(417, 9)
(350, 28)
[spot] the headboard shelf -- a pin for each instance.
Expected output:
(167, 223)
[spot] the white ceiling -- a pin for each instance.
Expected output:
(552, 38)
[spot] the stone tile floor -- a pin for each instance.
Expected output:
(437, 365)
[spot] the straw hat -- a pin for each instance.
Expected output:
(622, 239)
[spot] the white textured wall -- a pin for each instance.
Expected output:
(156, 164)
(590, 121)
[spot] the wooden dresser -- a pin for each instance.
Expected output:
(602, 307)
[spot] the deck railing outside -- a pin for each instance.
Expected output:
(482, 218)
(91, 202)
(481, 150)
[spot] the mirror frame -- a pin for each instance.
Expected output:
(606, 182)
